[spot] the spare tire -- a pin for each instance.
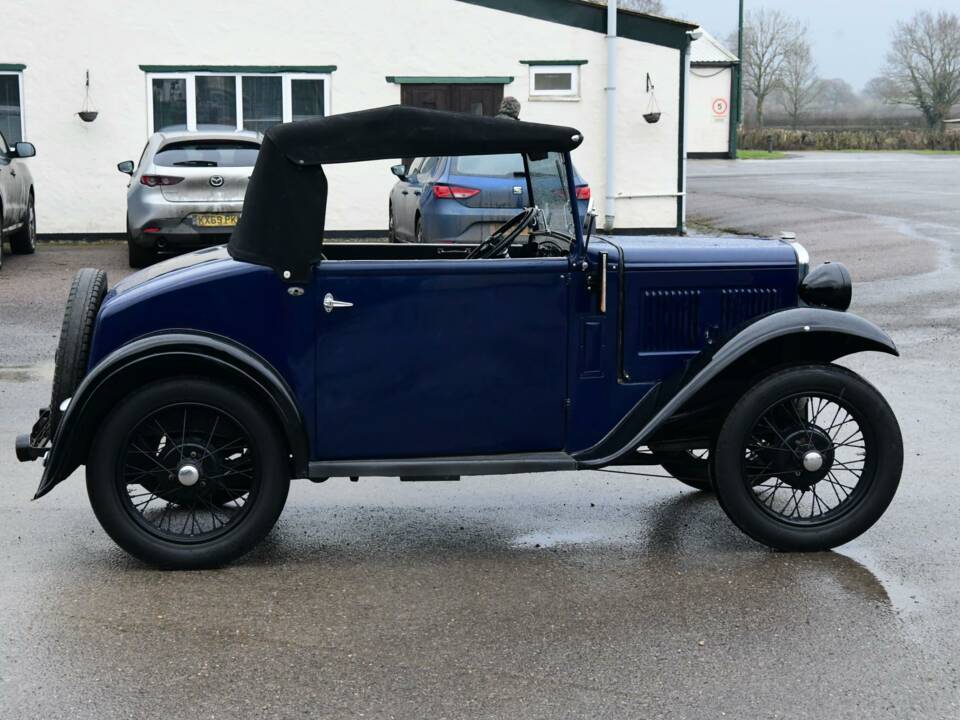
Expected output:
(86, 293)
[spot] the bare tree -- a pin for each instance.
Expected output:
(768, 36)
(799, 84)
(923, 65)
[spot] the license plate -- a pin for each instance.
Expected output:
(216, 220)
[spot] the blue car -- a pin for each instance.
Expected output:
(194, 391)
(462, 198)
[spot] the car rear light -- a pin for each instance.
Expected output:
(583, 192)
(154, 180)
(445, 192)
(151, 229)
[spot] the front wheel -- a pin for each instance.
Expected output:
(691, 467)
(187, 473)
(25, 241)
(808, 459)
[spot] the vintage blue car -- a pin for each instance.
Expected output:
(195, 390)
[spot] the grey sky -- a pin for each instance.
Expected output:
(849, 37)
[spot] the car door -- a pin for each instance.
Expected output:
(439, 358)
(403, 207)
(9, 186)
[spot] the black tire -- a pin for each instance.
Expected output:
(766, 438)
(115, 478)
(391, 226)
(418, 230)
(687, 467)
(139, 257)
(73, 351)
(24, 242)
(1, 236)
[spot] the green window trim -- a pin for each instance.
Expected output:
(248, 69)
(450, 79)
(553, 62)
(12, 67)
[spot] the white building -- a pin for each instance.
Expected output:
(711, 102)
(253, 64)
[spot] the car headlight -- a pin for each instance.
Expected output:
(828, 286)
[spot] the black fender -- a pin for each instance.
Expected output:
(793, 336)
(163, 355)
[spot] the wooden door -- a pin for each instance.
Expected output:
(458, 97)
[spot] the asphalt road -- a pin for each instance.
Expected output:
(543, 596)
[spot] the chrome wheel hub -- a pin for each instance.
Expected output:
(812, 461)
(188, 475)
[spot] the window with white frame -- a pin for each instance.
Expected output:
(11, 106)
(555, 81)
(242, 100)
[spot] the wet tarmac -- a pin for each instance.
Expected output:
(561, 595)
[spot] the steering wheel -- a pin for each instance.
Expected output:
(503, 237)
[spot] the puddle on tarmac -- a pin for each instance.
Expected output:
(547, 539)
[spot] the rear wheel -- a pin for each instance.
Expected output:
(187, 473)
(73, 350)
(139, 257)
(691, 467)
(808, 459)
(25, 241)
(419, 229)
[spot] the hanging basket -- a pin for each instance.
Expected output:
(87, 113)
(652, 117)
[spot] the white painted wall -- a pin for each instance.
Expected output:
(709, 109)
(80, 191)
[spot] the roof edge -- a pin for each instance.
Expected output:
(590, 16)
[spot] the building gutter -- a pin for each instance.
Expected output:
(609, 207)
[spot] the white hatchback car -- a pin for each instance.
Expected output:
(187, 191)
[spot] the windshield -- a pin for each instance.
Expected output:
(208, 153)
(548, 184)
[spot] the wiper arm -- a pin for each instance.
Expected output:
(196, 163)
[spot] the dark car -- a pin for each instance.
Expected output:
(195, 390)
(462, 198)
(18, 217)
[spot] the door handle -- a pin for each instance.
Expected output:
(416, 192)
(330, 303)
(13, 172)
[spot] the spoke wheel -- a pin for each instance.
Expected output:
(691, 467)
(808, 459)
(805, 460)
(188, 473)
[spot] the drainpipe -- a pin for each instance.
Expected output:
(611, 91)
(691, 35)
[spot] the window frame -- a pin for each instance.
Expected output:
(23, 113)
(572, 70)
(190, 76)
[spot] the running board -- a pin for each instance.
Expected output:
(510, 464)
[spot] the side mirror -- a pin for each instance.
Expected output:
(24, 149)
(400, 171)
(126, 167)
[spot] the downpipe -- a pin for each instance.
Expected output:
(611, 93)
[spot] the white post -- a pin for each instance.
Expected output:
(611, 92)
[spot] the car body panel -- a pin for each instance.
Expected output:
(16, 182)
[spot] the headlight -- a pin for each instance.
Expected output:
(828, 286)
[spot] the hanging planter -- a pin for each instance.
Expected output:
(87, 113)
(652, 115)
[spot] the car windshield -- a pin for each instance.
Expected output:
(508, 166)
(548, 183)
(208, 153)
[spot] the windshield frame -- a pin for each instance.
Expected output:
(569, 184)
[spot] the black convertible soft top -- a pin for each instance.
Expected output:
(285, 205)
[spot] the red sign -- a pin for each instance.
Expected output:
(720, 106)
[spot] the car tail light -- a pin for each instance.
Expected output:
(154, 180)
(583, 192)
(445, 192)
